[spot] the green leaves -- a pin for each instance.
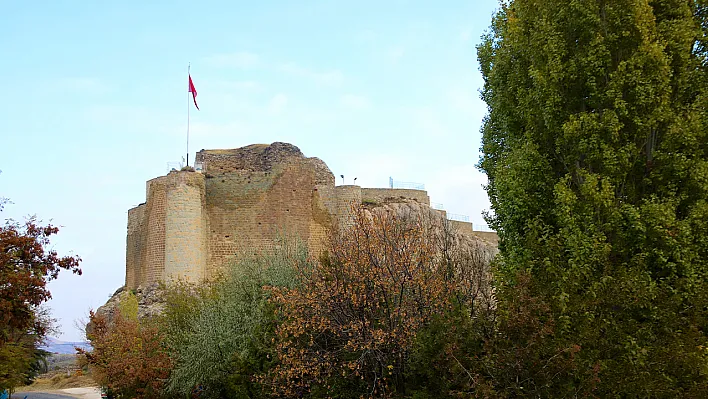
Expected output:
(595, 146)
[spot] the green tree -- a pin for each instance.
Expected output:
(221, 333)
(596, 149)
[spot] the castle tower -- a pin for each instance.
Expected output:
(346, 198)
(167, 234)
(185, 227)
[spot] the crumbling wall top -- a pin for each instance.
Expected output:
(254, 158)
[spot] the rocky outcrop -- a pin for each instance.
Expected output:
(149, 300)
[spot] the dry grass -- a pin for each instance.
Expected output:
(59, 380)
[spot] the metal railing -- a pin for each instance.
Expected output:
(174, 166)
(458, 217)
(405, 184)
(437, 205)
(482, 227)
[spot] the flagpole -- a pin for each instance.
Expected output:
(188, 75)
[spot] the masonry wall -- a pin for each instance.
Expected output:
(467, 228)
(153, 267)
(249, 210)
(192, 225)
(380, 195)
(135, 244)
(185, 227)
(347, 198)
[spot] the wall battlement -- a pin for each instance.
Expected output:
(193, 224)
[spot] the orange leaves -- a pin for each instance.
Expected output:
(128, 357)
(357, 311)
(26, 265)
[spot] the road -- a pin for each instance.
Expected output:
(69, 393)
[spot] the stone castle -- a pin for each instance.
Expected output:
(193, 223)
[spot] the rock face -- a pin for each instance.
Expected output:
(149, 298)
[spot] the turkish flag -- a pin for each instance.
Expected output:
(193, 91)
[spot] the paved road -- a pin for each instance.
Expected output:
(68, 393)
(39, 395)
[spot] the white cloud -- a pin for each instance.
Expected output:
(354, 102)
(278, 103)
(329, 78)
(242, 60)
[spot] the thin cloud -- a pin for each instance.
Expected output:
(354, 102)
(241, 60)
(365, 36)
(329, 78)
(278, 103)
(396, 53)
(242, 85)
(458, 187)
(463, 100)
(82, 85)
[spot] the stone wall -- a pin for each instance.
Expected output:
(135, 245)
(466, 228)
(185, 226)
(194, 224)
(381, 195)
(250, 210)
(153, 266)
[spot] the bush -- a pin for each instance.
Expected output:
(349, 329)
(129, 356)
(221, 334)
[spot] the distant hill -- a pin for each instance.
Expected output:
(54, 345)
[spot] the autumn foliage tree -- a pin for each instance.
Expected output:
(348, 329)
(26, 266)
(129, 356)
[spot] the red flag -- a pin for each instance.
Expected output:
(193, 91)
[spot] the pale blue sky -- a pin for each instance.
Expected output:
(95, 93)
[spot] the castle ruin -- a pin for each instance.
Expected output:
(194, 223)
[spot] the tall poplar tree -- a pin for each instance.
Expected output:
(596, 149)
